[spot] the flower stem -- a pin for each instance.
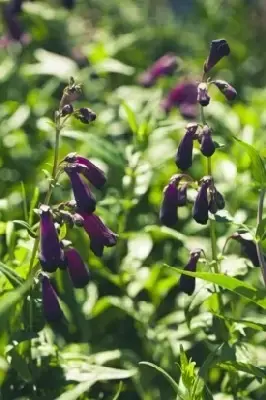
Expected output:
(258, 245)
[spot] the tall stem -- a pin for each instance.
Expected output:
(258, 245)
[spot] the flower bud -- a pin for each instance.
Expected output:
(67, 109)
(187, 283)
(78, 270)
(219, 49)
(248, 247)
(78, 219)
(200, 208)
(85, 115)
(228, 91)
(184, 153)
(71, 93)
(168, 210)
(207, 145)
(51, 307)
(203, 98)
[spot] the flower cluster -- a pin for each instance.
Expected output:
(208, 198)
(79, 212)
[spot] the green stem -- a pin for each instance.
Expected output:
(258, 245)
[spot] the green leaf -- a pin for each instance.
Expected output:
(20, 365)
(248, 368)
(257, 167)
(164, 373)
(11, 275)
(118, 391)
(33, 203)
(261, 230)
(240, 288)
(130, 116)
(24, 198)
(25, 225)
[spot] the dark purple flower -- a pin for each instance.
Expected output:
(168, 210)
(69, 4)
(183, 158)
(67, 109)
(228, 91)
(10, 17)
(78, 270)
(51, 254)
(182, 195)
(184, 96)
(51, 307)
(203, 98)
(165, 65)
(83, 196)
(85, 115)
(99, 234)
(187, 283)
(219, 49)
(207, 145)
(200, 208)
(94, 174)
(219, 200)
(248, 248)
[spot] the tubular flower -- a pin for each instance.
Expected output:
(100, 235)
(219, 49)
(83, 196)
(85, 115)
(184, 153)
(207, 145)
(187, 283)
(203, 98)
(51, 307)
(168, 210)
(248, 247)
(184, 96)
(78, 271)
(165, 65)
(227, 90)
(200, 208)
(182, 195)
(51, 255)
(94, 174)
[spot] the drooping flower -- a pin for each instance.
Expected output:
(168, 209)
(228, 91)
(182, 195)
(51, 306)
(183, 158)
(187, 283)
(100, 235)
(94, 174)
(69, 4)
(85, 115)
(165, 65)
(78, 270)
(203, 98)
(10, 11)
(248, 247)
(219, 49)
(67, 109)
(207, 145)
(82, 193)
(200, 208)
(51, 255)
(184, 96)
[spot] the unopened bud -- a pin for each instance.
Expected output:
(203, 98)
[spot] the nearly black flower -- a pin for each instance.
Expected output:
(78, 270)
(228, 91)
(183, 158)
(168, 210)
(67, 109)
(200, 208)
(69, 4)
(85, 115)
(207, 145)
(165, 65)
(187, 283)
(10, 11)
(51, 307)
(82, 193)
(51, 254)
(248, 247)
(94, 174)
(98, 232)
(203, 98)
(182, 195)
(219, 49)
(184, 96)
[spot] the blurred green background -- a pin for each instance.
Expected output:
(132, 310)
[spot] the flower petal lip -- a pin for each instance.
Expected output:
(219, 48)
(51, 255)
(187, 283)
(200, 208)
(100, 235)
(77, 269)
(82, 193)
(51, 306)
(94, 174)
